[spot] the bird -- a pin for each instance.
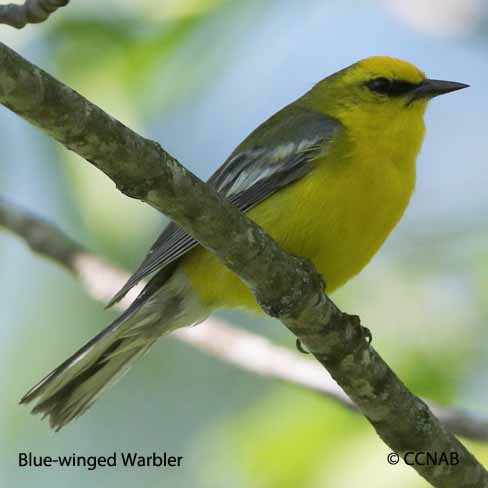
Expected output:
(328, 177)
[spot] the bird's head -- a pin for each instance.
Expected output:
(380, 86)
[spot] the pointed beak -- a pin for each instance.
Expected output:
(433, 88)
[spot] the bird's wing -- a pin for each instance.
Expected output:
(277, 153)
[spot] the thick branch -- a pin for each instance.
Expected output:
(30, 12)
(243, 349)
(285, 286)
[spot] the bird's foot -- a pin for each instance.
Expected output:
(300, 347)
(308, 265)
(365, 332)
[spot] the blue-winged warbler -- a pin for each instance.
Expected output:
(328, 177)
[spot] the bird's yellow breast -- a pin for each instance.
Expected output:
(337, 216)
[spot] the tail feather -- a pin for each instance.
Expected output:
(72, 388)
(82, 359)
(79, 393)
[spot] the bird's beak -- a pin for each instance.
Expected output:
(433, 88)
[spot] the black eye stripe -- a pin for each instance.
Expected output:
(390, 88)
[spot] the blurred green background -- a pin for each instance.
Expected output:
(198, 75)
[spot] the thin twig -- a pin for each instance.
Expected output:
(248, 351)
(30, 12)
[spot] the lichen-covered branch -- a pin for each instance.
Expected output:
(286, 287)
(243, 349)
(30, 12)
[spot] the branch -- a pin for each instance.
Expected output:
(286, 287)
(248, 351)
(30, 12)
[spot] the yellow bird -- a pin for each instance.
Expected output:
(328, 177)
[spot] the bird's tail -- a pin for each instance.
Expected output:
(71, 388)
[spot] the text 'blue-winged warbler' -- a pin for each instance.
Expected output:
(328, 177)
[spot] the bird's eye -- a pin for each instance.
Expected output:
(379, 85)
(391, 88)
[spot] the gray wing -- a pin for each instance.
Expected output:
(277, 153)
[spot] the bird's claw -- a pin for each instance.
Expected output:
(300, 347)
(365, 332)
(323, 283)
